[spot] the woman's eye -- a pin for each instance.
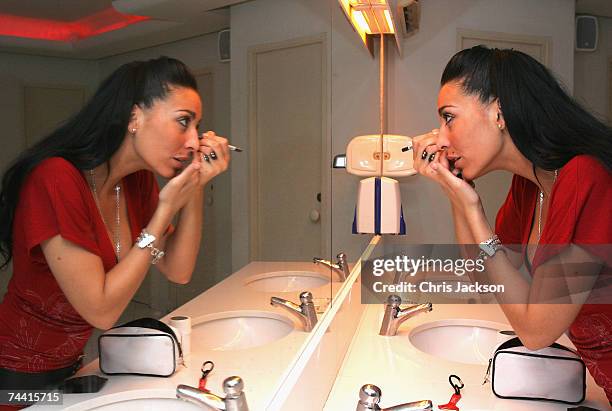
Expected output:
(447, 118)
(184, 121)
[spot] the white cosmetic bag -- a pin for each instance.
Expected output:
(141, 347)
(554, 373)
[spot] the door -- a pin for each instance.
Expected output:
(287, 117)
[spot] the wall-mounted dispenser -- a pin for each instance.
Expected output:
(378, 156)
(363, 156)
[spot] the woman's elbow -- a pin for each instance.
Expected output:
(179, 277)
(537, 342)
(101, 320)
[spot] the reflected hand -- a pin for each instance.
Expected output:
(175, 194)
(213, 156)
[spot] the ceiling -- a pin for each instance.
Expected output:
(600, 8)
(93, 29)
(161, 21)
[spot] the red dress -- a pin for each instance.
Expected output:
(39, 328)
(580, 212)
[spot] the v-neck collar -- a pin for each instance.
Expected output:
(126, 183)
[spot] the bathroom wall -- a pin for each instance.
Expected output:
(19, 70)
(592, 75)
(413, 81)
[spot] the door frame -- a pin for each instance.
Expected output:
(325, 205)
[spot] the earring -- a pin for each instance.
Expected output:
(133, 130)
(500, 126)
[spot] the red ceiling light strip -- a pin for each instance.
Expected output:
(41, 29)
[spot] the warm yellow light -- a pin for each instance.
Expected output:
(360, 21)
(389, 21)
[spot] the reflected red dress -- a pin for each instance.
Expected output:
(580, 212)
(39, 328)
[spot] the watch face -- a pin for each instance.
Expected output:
(145, 240)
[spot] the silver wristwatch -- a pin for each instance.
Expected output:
(489, 247)
(146, 240)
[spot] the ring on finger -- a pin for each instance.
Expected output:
(204, 157)
(424, 155)
(431, 157)
(213, 155)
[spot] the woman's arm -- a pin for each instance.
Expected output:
(183, 245)
(537, 324)
(100, 297)
(531, 308)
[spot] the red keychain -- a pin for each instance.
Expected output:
(206, 369)
(452, 404)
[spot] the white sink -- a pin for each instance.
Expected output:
(287, 281)
(237, 330)
(148, 399)
(149, 404)
(463, 341)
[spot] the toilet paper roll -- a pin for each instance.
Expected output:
(183, 325)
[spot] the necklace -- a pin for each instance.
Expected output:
(117, 229)
(541, 204)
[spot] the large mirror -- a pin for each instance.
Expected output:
(264, 76)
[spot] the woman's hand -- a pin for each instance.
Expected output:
(177, 192)
(432, 161)
(213, 155)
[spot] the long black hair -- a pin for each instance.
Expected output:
(546, 124)
(92, 135)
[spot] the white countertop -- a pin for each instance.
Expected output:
(405, 374)
(261, 368)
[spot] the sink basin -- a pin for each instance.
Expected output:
(287, 281)
(149, 399)
(149, 404)
(463, 341)
(237, 330)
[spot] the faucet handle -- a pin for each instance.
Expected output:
(394, 300)
(233, 386)
(235, 400)
(369, 397)
(306, 297)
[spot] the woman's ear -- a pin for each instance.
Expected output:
(135, 119)
(498, 115)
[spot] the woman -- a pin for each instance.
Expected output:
(502, 110)
(82, 217)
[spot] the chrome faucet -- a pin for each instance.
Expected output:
(395, 315)
(369, 397)
(341, 267)
(234, 400)
(305, 311)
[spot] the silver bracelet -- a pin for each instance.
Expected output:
(145, 240)
(489, 247)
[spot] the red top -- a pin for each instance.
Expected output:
(39, 328)
(580, 213)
